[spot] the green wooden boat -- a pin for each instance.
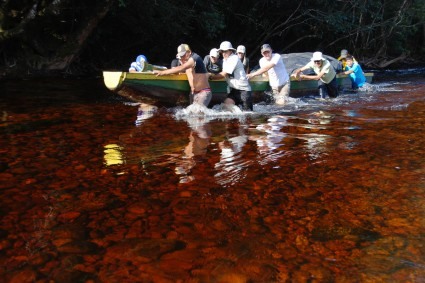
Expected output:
(172, 90)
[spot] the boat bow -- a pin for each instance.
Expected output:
(113, 80)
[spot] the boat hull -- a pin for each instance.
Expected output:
(172, 90)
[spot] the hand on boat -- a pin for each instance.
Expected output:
(297, 76)
(158, 73)
(248, 76)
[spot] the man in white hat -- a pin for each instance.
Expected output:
(197, 74)
(325, 75)
(213, 62)
(234, 73)
(279, 81)
(241, 52)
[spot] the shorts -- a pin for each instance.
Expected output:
(201, 97)
(330, 89)
(241, 97)
(281, 93)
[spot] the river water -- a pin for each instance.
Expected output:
(92, 190)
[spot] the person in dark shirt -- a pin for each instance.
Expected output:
(176, 62)
(213, 62)
(197, 74)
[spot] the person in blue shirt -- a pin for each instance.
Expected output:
(355, 72)
(139, 65)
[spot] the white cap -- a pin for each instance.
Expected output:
(214, 53)
(317, 56)
(226, 45)
(241, 49)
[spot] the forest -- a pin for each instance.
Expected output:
(80, 37)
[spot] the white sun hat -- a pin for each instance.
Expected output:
(226, 45)
(317, 56)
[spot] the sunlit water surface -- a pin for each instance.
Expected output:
(94, 190)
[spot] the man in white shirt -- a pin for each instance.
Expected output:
(234, 73)
(325, 75)
(279, 80)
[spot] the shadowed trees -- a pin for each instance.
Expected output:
(77, 36)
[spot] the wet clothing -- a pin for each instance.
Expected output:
(357, 76)
(327, 83)
(281, 93)
(202, 96)
(239, 87)
(278, 77)
(213, 68)
(242, 98)
(328, 89)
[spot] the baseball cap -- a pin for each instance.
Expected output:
(241, 49)
(344, 53)
(266, 47)
(214, 52)
(182, 49)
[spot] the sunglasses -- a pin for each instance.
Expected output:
(318, 61)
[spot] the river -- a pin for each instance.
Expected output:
(92, 190)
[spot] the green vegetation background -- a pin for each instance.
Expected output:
(84, 37)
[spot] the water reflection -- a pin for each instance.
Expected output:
(97, 199)
(113, 155)
(144, 112)
(199, 140)
(231, 168)
(269, 143)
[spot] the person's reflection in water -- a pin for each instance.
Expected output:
(268, 144)
(145, 112)
(231, 166)
(199, 140)
(316, 144)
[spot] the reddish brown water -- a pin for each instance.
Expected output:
(317, 192)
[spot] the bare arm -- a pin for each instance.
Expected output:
(297, 73)
(312, 77)
(264, 69)
(221, 75)
(179, 69)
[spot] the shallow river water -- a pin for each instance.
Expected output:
(315, 191)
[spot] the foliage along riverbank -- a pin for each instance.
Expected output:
(81, 38)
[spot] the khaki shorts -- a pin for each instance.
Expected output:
(281, 93)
